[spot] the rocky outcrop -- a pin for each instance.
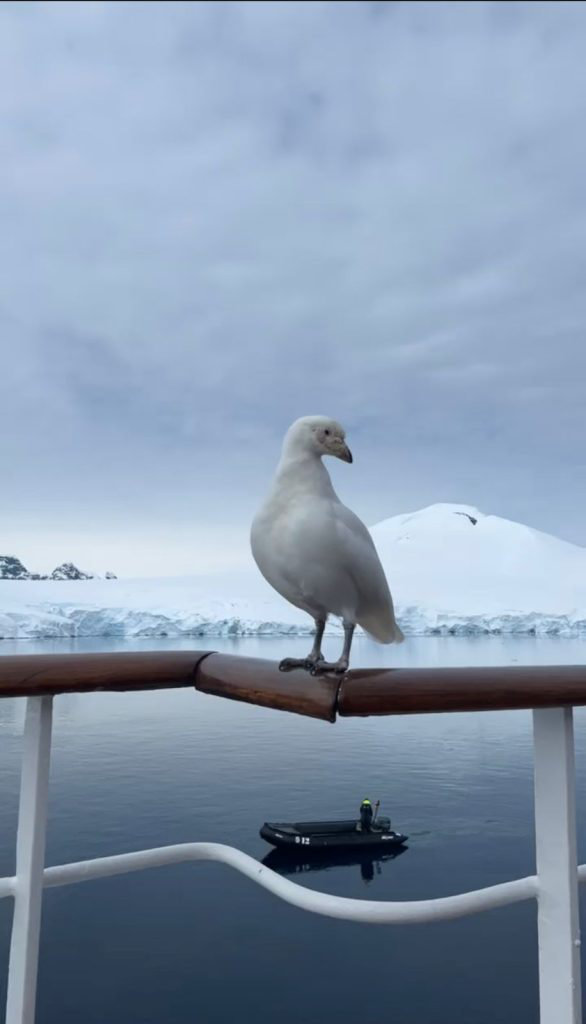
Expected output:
(69, 571)
(11, 568)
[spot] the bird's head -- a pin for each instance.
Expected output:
(319, 434)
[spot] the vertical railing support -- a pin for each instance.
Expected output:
(557, 869)
(30, 858)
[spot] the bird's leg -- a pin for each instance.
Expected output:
(315, 655)
(340, 666)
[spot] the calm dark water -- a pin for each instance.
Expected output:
(199, 943)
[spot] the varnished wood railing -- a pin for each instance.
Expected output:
(378, 691)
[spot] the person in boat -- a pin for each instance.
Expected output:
(366, 814)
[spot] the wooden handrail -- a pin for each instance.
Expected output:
(387, 691)
(34, 675)
(407, 691)
(257, 681)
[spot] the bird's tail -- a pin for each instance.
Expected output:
(382, 625)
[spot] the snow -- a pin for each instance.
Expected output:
(447, 575)
(222, 605)
(451, 575)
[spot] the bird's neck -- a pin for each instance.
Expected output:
(303, 470)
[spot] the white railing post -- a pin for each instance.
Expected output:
(30, 857)
(560, 995)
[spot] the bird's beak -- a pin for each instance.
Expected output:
(345, 453)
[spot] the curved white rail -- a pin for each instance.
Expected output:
(555, 886)
(368, 911)
(337, 906)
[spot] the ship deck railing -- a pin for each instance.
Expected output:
(551, 692)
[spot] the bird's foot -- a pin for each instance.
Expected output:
(287, 664)
(321, 667)
(312, 660)
(307, 663)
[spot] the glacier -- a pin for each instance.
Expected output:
(452, 570)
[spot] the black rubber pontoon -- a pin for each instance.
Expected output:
(331, 835)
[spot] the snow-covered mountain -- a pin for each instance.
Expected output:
(454, 569)
(451, 568)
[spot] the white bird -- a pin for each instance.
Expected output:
(315, 552)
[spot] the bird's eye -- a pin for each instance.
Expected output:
(327, 433)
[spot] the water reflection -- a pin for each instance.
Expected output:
(287, 863)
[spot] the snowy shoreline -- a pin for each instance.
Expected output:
(69, 621)
(452, 570)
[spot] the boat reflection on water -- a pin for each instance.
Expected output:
(288, 863)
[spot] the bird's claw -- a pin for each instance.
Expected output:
(311, 661)
(287, 664)
(320, 668)
(315, 666)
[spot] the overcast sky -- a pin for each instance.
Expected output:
(216, 217)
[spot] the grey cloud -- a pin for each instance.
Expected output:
(219, 216)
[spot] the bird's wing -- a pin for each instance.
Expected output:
(359, 556)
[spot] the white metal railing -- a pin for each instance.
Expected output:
(555, 886)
